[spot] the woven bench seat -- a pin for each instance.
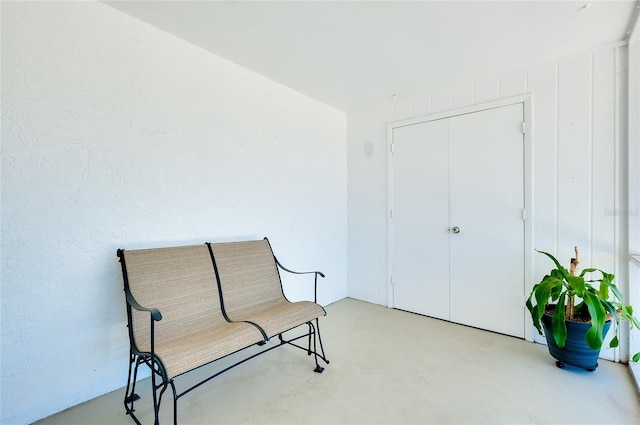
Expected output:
(252, 290)
(186, 353)
(279, 318)
(186, 308)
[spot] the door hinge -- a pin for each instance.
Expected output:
(391, 213)
(393, 282)
(524, 127)
(524, 214)
(392, 148)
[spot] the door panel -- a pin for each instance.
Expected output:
(465, 171)
(420, 240)
(487, 187)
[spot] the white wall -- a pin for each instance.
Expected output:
(634, 181)
(634, 142)
(576, 164)
(115, 134)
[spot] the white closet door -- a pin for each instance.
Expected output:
(458, 230)
(421, 216)
(486, 170)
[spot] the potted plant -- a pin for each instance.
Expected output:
(576, 315)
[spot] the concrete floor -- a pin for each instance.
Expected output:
(391, 367)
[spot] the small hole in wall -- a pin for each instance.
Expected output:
(368, 149)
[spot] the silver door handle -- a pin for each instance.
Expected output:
(455, 230)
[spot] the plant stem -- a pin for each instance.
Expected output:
(573, 270)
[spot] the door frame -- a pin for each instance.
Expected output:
(527, 101)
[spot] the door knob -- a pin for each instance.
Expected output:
(455, 229)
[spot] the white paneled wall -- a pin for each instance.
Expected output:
(576, 132)
(634, 145)
(633, 207)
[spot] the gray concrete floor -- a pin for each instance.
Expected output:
(391, 367)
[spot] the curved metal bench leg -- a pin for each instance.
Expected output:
(130, 395)
(316, 337)
(175, 404)
(324, 357)
(311, 333)
(156, 399)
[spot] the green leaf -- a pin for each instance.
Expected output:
(577, 284)
(558, 325)
(596, 311)
(603, 293)
(587, 270)
(607, 277)
(541, 294)
(634, 322)
(533, 310)
(557, 263)
(611, 309)
(636, 357)
(614, 342)
(615, 290)
(627, 313)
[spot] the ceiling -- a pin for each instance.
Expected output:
(349, 53)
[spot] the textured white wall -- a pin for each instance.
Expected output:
(578, 125)
(115, 134)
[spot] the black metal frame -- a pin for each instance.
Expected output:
(137, 357)
(315, 332)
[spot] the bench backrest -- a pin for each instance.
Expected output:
(178, 281)
(248, 277)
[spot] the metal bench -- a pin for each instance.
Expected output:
(179, 319)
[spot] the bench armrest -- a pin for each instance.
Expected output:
(155, 313)
(315, 282)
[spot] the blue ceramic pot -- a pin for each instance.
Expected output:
(576, 352)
